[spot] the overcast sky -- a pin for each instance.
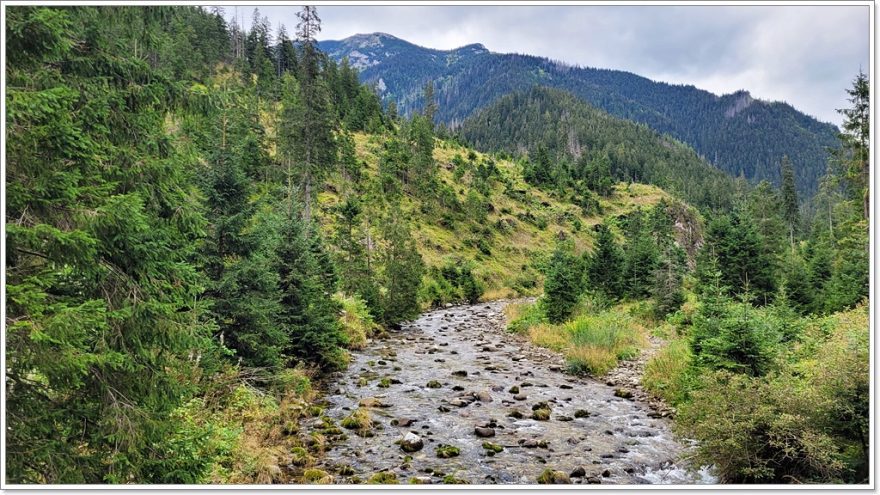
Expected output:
(804, 55)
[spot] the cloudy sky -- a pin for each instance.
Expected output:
(804, 55)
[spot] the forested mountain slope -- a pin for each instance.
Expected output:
(736, 132)
(578, 135)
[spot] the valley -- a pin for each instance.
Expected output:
(238, 255)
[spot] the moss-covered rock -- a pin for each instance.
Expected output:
(551, 477)
(383, 478)
(316, 477)
(445, 451)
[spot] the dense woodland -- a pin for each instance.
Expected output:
(202, 221)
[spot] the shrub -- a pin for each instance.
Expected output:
(759, 430)
(356, 321)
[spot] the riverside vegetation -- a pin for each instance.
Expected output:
(204, 223)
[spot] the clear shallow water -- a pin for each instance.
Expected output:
(618, 443)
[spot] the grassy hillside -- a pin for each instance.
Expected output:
(522, 222)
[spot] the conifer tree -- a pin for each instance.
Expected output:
(403, 269)
(856, 135)
(312, 124)
(104, 314)
(562, 284)
(790, 207)
(308, 312)
(606, 263)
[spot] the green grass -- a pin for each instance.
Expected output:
(514, 243)
(666, 373)
(592, 342)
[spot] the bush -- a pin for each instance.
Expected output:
(808, 422)
(356, 321)
(759, 430)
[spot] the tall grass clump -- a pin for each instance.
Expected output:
(666, 374)
(598, 341)
(522, 316)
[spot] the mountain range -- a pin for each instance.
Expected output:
(740, 134)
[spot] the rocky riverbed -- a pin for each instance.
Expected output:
(453, 397)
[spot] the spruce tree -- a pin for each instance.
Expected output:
(308, 314)
(104, 308)
(790, 207)
(562, 284)
(403, 269)
(606, 263)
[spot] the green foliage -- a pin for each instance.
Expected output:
(528, 315)
(669, 374)
(403, 268)
(641, 257)
(562, 285)
(609, 149)
(103, 298)
(606, 263)
(742, 258)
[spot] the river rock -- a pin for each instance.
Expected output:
(520, 397)
(551, 477)
(484, 396)
(483, 432)
(579, 472)
(461, 373)
(401, 422)
(371, 402)
(411, 443)
(623, 393)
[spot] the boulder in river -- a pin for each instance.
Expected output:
(623, 393)
(445, 451)
(578, 472)
(484, 432)
(541, 414)
(520, 397)
(461, 373)
(551, 477)
(371, 402)
(401, 422)
(411, 443)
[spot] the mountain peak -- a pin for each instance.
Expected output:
(474, 47)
